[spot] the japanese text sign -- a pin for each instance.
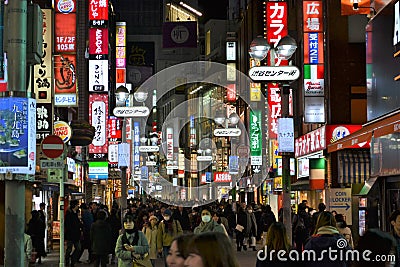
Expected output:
(98, 113)
(311, 142)
(313, 16)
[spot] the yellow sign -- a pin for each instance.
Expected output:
(63, 130)
(255, 91)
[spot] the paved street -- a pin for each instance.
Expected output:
(246, 259)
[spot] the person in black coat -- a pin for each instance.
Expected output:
(115, 223)
(101, 239)
(241, 228)
(72, 233)
(36, 229)
(182, 216)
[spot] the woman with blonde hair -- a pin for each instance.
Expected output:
(277, 240)
(211, 249)
(326, 236)
(150, 230)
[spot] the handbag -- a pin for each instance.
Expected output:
(239, 227)
(141, 260)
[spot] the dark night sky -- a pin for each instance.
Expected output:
(213, 9)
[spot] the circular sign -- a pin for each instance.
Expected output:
(52, 146)
(63, 130)
(180, 34)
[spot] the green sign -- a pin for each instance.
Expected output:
(255, 133)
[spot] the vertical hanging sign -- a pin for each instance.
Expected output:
(255, 137)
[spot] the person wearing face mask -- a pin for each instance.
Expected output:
(207, 223)
(132, 247)
(251, 229)
(168, 229)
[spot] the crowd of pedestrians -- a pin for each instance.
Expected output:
(203, 236)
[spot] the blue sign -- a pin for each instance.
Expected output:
(17, 135)
(233, 164)
(144, 174)
(208, 177)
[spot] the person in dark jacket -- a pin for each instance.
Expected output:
(326, 237)
(87, 220)
(267, 218)
(115, 223)
(101, 239)
(36, 229)
(73, 229)
(241, 228)
(182, 217)
(314, 218)
(301, 227)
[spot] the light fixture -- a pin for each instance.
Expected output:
(199, 151)
(259, 48)
(121, 93)
(140, 96)
(198, 13)
(208, 151)
(286, 47)
(219, 117)
(143, 139)
(234, 118)
(154, 138)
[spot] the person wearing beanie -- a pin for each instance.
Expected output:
(168, 229)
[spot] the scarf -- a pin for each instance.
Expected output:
(327, 230)
(206, 227)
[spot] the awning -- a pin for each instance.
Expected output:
(367, 186)
(379, 127)
(353, 166)
(301, 185)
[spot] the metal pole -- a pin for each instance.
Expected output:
(287, 210)
(62, 196)
(16, 15)
(123, 176)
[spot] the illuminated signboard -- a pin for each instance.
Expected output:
(43, 74)
(313, 16)
(313, 48)
(65, 79)
(98, 75)
(98, 43)
(98, 170)
(65, 33)
(17, 135)
(98, 113)
(98, 12)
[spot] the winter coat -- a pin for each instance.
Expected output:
(73, 226)
(182, 218)
(101, 238)
(251, 228)
(151, 236)
(242, 220)
(346, 232)
(326, 237)
(211, 226)
(124, 256)
(266, 220)
(164, 236)
(27, 249)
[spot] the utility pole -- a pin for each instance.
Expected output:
(16, 25)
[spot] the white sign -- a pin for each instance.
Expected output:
(340, 201)
(204, 158)
(123, 155)
(285, 135)
(98, 75)
(230, 50)
(170, 144)
(314, 110)
(256, 160)
(228, 132)
(131, 112)
(65, 100)
(151, 163)
(271, 73)
(172, 167)
(149, 149)
(51, 164)
(396, 22)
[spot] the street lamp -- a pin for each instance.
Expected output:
(283, 50)
(121, 95)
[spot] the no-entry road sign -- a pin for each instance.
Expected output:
(52, 146)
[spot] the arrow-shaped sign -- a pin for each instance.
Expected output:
(346, 206)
